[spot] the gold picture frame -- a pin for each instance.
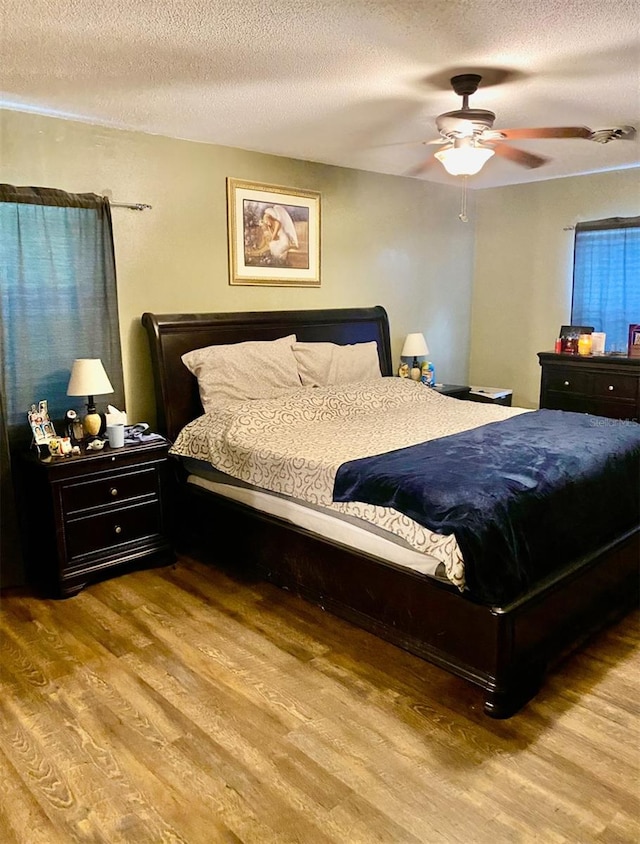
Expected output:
(274, 235)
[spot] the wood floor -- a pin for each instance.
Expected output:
(181, 705)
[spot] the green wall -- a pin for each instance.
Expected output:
(524, 270)
(488, 294)
(385, 240)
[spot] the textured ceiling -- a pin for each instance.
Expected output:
(356, 83)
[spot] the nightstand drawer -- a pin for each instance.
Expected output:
(111, 489)
(614, 386)
(92, 534)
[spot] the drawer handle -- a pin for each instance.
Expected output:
(117, 529)
(566, 383)
(113, 491)
(611, 387)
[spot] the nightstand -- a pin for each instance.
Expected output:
(455, 391)
(96, 514)
(491, 395)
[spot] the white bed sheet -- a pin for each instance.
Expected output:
(335, 527)
(294, 446)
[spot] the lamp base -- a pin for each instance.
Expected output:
(91, 424)
(415, 370)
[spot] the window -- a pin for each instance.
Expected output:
(606, 278)
(57, 298)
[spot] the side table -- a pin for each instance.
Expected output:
(455, 391)
(491, 395)
(96, 514)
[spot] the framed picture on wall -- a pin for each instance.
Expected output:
(274, 235)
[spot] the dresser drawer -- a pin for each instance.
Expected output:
(614, 386)
(614, 409)
(110, 489)
(555, 400)
(92, 534)
(565, 381)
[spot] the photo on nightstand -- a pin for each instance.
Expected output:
(41, 425)
(75, 431)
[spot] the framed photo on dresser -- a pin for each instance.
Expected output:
(634, 340)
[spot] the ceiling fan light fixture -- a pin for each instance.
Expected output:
(464, 159)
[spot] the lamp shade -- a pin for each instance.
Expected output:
(464, 160)
(88, 378)
(414, 346)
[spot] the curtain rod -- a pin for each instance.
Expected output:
(134, 206)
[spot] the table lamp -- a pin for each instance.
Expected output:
(88, 378)
(415, 346)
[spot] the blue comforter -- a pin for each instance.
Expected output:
(523, 496)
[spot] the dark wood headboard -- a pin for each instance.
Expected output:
(172, 335)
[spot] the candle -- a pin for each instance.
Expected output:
(584, 344)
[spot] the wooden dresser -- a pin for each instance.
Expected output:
(605, 385)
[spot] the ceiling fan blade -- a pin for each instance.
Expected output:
(420, 168)
(519, 156)
(545, 132)
(412, 143)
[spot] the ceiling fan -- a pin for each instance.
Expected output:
(470, 139)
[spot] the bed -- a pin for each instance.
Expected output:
(504, 648)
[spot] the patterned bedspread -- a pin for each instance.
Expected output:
(294, 445)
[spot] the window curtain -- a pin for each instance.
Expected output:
(11, 573)
(58, 302)
(606, 277)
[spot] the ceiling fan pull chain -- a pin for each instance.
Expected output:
(463, 208)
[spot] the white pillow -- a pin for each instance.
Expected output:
(256, 369)
(328, 364)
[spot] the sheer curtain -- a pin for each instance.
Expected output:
(606, 277)
(58, 302)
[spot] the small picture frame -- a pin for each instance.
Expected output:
(41, 425)
(575, 330)
(634, 340)
(569, 337)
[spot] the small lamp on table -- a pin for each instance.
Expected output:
(88, 378)
(415, 346)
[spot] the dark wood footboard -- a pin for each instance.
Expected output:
(506, 651)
